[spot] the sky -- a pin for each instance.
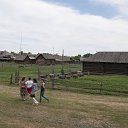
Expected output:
(73, 26)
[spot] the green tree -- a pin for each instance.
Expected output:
(87, 55)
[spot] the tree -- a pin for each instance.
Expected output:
(21, 52)
(29, 53)
(76, 58)
(87, 55)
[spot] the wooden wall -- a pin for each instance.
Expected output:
(105, 68)
(40, 60)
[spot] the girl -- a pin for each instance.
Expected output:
(34, 91)
(23, 89)
(42, 90)
(29, 84)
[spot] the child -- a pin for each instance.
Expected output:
(42, 90)
(34, 91)
(29, 84)
(23, 89)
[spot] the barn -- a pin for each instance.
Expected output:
(106, 63)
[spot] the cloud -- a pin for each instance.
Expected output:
(120, 5)
(45, 26)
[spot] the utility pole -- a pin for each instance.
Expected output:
(21, 43)
(62, 70)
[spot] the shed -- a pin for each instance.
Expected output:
(106, 63)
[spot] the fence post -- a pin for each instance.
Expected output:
(38, 73)
(11, 81)
(16, 76)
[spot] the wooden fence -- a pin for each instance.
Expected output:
(70, 82)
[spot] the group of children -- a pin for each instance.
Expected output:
(29, 88)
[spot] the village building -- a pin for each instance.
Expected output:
(22, 59)
(32, 58)
(61, 59)
(6, 56)
(106, 63)
(45, 58)
(40, 58)
(48, 59)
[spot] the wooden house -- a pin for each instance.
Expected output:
(45, 58)
(32, 58)
(22, 59)
(106, 63)
(61, 59)
(6, 56)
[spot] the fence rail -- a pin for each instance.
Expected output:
(72, 84)
(95, 87)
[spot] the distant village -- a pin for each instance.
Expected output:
(98, 63)
(29, 58)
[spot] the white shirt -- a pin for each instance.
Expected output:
(29, 83)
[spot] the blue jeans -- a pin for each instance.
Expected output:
(42, 95)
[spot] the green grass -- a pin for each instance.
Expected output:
(69, 107)
(65, 110)
(107, 84)
(6, 69)
(104, 84)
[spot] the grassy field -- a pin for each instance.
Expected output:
(65, 110)
(6, 69)
(103, 84)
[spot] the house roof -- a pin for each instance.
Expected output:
(5, 58)
(21, 57)
(32, 56)
(61, 58)
(55, 57)
(112, 57)
(5, 54)
(48, 56)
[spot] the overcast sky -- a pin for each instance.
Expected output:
(77, 26)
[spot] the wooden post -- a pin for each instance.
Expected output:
(38, 73)
(15, 77)
(18, 74)
(11, 81)
(52, 78)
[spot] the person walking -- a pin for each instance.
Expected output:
(34, 91)
(29, 84)
(23, 89)
(42, 91)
